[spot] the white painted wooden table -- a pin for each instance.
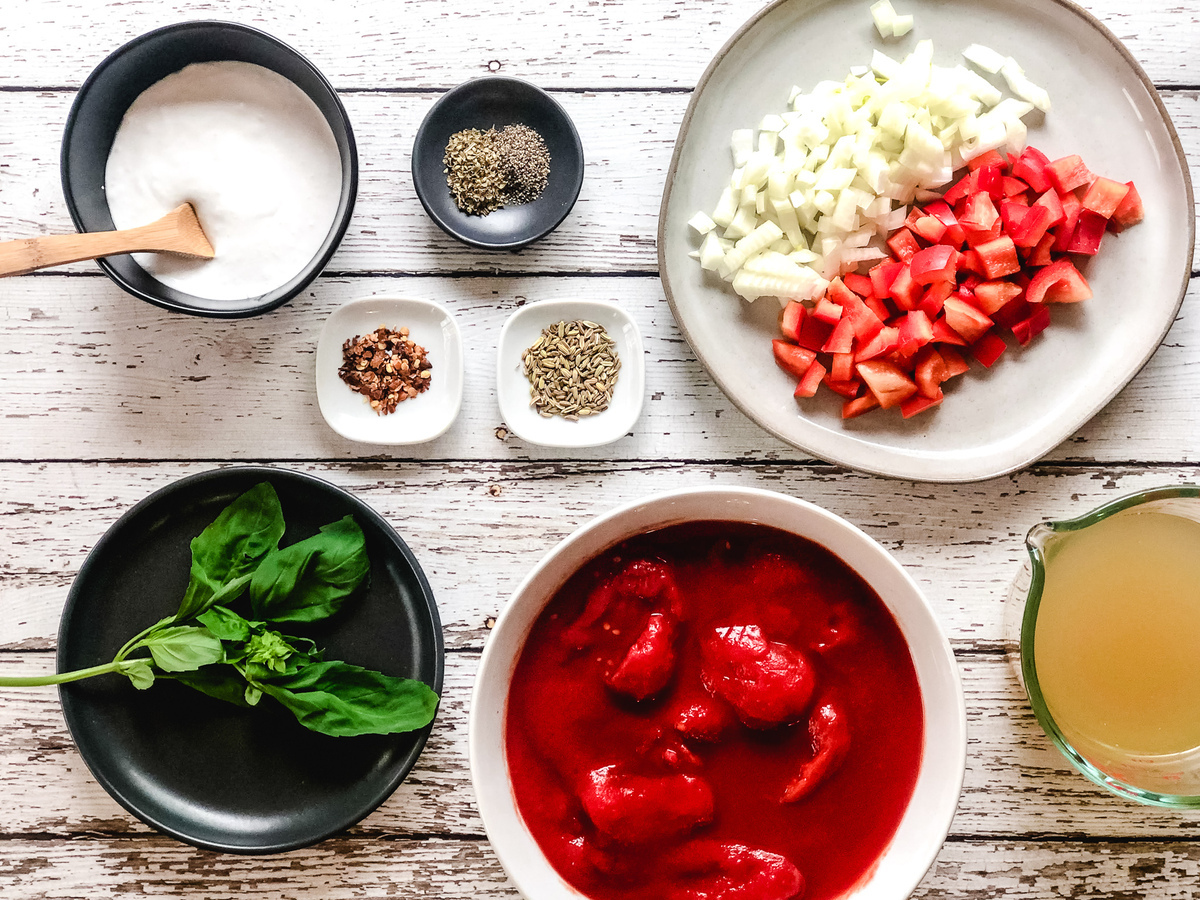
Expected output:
(105, 398)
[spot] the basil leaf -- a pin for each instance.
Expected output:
(139, 672)
(309, 580)
(184, 648)
(232, 546)
(226, 624)
(339, 699)
(221, 682)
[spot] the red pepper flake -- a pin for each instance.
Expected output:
(387, 367)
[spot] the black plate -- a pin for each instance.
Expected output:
(496, 102)
(209, 773)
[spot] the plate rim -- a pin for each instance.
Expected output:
(903, 467)
(422, 735)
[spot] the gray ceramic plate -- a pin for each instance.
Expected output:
(992, 421)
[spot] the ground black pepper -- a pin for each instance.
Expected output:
(489, 169)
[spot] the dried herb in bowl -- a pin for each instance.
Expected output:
(489, 169)
(240, 656)
(572, 370)
(387, 367)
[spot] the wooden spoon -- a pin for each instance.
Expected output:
(178, 231)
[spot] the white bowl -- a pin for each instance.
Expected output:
(935, 797)
(422, 418)
(512, 388)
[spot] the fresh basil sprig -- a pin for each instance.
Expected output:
(209, 646)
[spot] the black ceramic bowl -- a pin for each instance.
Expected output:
(496, 102)
(216, 775)
(108, 92)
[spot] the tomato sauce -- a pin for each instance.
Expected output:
(628, 800)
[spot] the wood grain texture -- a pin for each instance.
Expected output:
(627, 138)
(92, 373)
(1016, 784)
(107, 869)
(558, 43)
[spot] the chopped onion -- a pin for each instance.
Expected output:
(814, 191)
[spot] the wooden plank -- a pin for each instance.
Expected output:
(91, 373)
(1016, 784)
(627, 137)
(347, 869)
(963, 544)
(417, 44)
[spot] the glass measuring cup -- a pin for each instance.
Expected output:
(1136, 772)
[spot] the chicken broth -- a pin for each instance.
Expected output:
(714, 710)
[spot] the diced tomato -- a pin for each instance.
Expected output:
(792, 359)
(965, 186)
(979, 213)
(918, 404)
(990, 180)
(1071, 209)
(842, 338)
(992, 158)
(1068, 173)
(886, 341)
(1012, 312)
(999, 257)
(914, 331)
(955, 364)
(862, 319)
(905, 290)
(929, 228)
(903, 244)
(990, 296)
(944, 334)
(1032, 227)
(827, 311)
(933, 298)
(886, 381)
(860, 284)
(969, 261)
(842, 367)
(859, 405)
(934, 263)
(1105, 196)
(955, 234)
(1050, 200)
(1011, 214)
(1014, 188)
(929, 372)
(1040, 255)
(988, 348)
(811, 381)
(1089, 231)
(790, 318)
(844, 388)
(1059, 282)
(1130, 212)
(814, 333)
(1031, 168)
(1027, 329)
(878, 306)
(882, 277)
(966, 320)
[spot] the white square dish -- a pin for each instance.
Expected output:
(424, 417)
(512, 388)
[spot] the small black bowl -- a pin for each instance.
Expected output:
(496, 102)
(108, 92)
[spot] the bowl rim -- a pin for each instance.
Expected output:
(634, 366)
(456, 93)
(348, 194)
(384, 530)
(511, 841)
(1036, 542)
(455, 345)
